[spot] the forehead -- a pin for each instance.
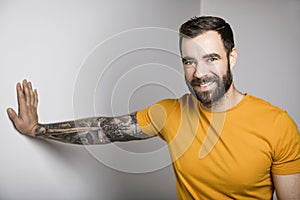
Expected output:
(206, 43)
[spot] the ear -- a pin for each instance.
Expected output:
(233, 57)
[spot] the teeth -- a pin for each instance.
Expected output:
(206, 84)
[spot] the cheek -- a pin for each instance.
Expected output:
(189, 74)
(220, 69)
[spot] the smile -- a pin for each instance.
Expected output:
(205, 86)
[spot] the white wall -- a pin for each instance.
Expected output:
(64, 47)
(83, 64)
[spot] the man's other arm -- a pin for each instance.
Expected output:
(287, 187)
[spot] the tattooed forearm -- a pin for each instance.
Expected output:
(96, 130)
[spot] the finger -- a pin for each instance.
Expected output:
(35, 94)
(31, 93)
(21, 98)
(26, 92)
(13, 116)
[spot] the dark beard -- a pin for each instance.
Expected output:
(208, 97)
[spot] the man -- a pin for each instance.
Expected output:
(224, 144)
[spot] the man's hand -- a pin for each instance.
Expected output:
(26, 121)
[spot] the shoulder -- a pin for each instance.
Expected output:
(161, 107)
(266, 111)
(168, 107)
(171, 104)
(259, 105)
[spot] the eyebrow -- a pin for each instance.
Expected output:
(187, 58)
(212, 55)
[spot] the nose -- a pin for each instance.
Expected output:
(201, 70)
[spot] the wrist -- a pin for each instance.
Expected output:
(38, 130)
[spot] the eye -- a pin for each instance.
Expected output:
(189, 62)
(211, 59)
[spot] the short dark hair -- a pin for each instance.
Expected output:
(199, 25)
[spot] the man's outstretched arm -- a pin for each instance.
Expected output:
(95, 130)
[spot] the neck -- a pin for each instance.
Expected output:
(231, 98)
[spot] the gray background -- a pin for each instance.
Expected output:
(83, 63)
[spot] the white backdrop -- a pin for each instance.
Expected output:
(83, 63)
(54, 44)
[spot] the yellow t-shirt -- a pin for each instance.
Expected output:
(225, 155)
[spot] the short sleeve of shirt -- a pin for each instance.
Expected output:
(153, 119)
(286, 152)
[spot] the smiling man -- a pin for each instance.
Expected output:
(224, 144)
(207, 68)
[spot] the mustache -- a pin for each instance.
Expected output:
(203, 80)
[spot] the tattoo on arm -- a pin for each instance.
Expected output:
(96, 130)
